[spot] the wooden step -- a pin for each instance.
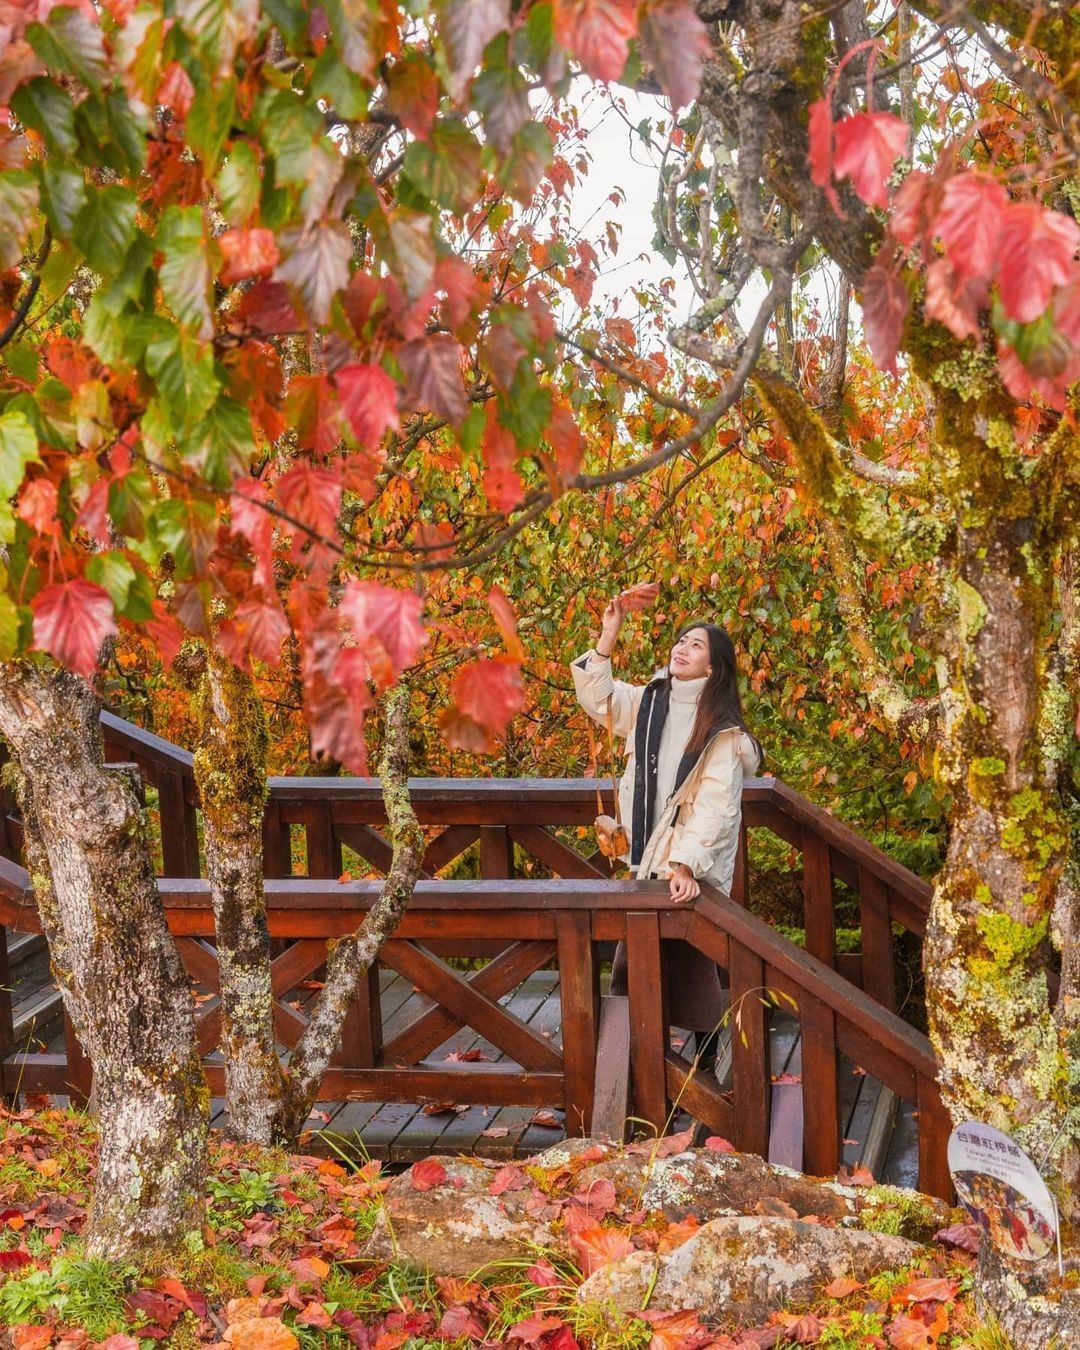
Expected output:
(38, 1017)
(28, 960)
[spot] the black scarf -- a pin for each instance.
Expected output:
(652, 714)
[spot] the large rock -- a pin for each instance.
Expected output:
(458, 1226)
(713, 1185)
(735, 1271)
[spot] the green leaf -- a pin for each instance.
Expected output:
(131, 499)
(527, 410)
(210, 118)
(222, 444)
(44, 106)
(114, 574)
(18, 202)
(187, 529)
(185, 269)
(105, 228)
(290, 17)
(355, 28)
(71, 43)
(9, 627)
(63, 195)
(239, 183)
(290, 129)
(446, 168)
(18, 448)
(111, 134)
(344, 91)
(183, 369)
(22, 359)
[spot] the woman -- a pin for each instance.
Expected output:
(688, 751)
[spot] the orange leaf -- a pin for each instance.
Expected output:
(928, 1290)
(598, 1247)
(26, 1337)
(841, 1287)
(641, 596)
(427, 1175)
(679, 1330)
(678, 1233)
(260, 1333)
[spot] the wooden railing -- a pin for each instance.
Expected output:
(526, 924)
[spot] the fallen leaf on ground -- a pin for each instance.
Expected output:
(532, 1328)
(598, 1247)
(426, 1175)
(776, 1208)
(461, 1322)
(543, 1275)
(718, 1145)
(260, 1333)
(598, 1197)
(508, 1178)
(841, 1287)
(855, 1176)
(927, 1290)
(677, 1233)
(495, 1132)
(966, 1236)
(548, 1119)
(30, 1336)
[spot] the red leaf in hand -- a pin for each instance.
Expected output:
(1037, 248)
(369, 397)
(386, 621)
(247, 253)
(641, 596)
(426, 1175)
(597, 32)
(969, 223)
(865, 147)
(598, 1247)
(885, 302)
(485, 695)
(675, 43)
(71, 621)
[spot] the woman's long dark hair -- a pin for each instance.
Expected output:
(720, 704)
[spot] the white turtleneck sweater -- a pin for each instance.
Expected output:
(682, 710)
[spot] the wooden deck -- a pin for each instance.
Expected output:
(402, 1132)
(538, 911)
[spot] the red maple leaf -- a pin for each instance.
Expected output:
(865, 147)
(311, 496)
(257, 628)
(426, 1175)
(314, 411)
(485, 695)
(597, 32)
(969, 223)
(247, 253)
(598, 1247)
(1037, 248)
(953, 301)
(508, 1178)
(369, 398)
(71, 621)
(386, 621)
(885, 302)
(820, 132)
(433, 368)
(675, 43)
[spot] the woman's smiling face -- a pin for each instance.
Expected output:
(690, 658)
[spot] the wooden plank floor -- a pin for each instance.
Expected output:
(402, 1132)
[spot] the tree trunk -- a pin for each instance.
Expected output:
(350, 958)
(230, 775)
(131, 993)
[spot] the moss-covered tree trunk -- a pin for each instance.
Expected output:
(120, 965)
(230, 775)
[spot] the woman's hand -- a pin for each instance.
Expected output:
(683, 884)
(609, 628)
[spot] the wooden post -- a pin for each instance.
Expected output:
(749, 1050)
(740, 881)
(579, 991)
(7, 1026)
(879, 976)
(277, 861)
(80, 1072)
(611, 1090)
(361, 1032)
(648, 1019)
(935, 1127)
(496, 852)
(179, 832)
(818, 913)
(820, 1086)
(323, 849)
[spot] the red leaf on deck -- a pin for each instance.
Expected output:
(369, 398)
(495, 1132)
(865, 147)
(597, 32)
(1036, 256)
(71, 621)
(548, 1119)
(247, 253)
(718, 1145)
(426, 1175)
(508, 1178)
(675, 43)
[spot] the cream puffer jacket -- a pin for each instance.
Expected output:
(699, 823)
